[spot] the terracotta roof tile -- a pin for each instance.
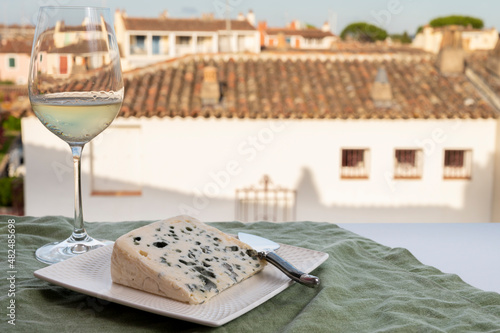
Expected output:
(81, 47)
(302, 87)
(16, 46)
(171, 24)
(477, 62)
(306, 33)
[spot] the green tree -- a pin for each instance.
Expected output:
(12, 123)
(363, 32)
(402, 38)
(465, 21)
(5, 192)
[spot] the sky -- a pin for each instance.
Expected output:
(395, 16)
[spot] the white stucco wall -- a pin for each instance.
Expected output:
(194, 166)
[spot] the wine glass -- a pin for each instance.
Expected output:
(76, 89)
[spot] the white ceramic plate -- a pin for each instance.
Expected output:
(90, 274)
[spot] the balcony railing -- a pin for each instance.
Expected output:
(266, 203)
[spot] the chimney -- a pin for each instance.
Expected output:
(207, 16)
(493, 61)
(118, 15)
(251, 17)
(262, 31)
(210, 90)
(164, 14)
(59, 26)
(325, 27)
(381, 91)
(241, 17)
(451, 57)
(282, 44)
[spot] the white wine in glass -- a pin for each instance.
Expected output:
(76, 90)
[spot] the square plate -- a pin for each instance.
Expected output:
(90, 274)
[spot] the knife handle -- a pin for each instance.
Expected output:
(291, 271)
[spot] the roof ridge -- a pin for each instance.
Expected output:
(179, 19)
(341, 56)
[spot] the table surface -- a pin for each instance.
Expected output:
(378, 277)
(470, 250)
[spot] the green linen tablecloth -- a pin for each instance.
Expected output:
(366, 287)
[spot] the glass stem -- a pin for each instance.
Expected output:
(79, 232)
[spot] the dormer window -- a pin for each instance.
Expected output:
(381, 91)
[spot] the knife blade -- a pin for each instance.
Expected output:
(265, 249)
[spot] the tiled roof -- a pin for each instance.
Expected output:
(297, 86)
(302, 86)
(477, 62)
(82, 47)
(170, 24)
(80, 28)
(16, 46)
(306, 33)
(350, 48)
(16, 26)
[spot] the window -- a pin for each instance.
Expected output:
(12, 62)
(204, 44)
(457, 164)
(224, 44)
(156, 44)
(355, 163)
(138, 45)
(408, 164)
(160, 45)
(183, 40)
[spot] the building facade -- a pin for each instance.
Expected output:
(357, 137)
(14, 60)
(296, 36)
(144, 41)
(430, 39)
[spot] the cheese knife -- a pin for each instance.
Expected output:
(265, 248)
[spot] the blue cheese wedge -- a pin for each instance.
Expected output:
(183, 259)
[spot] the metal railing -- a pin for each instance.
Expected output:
(354, 164)
(457, 164)
(408, 164)
(265, 203)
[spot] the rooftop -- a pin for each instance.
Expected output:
(177, 24)
(287, 86)
(81, 47)
(306, 33)
(477, 62)
(16, 46)
(295, 85)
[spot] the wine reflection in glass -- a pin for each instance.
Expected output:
(76, 89)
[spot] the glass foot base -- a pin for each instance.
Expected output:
(59, 251)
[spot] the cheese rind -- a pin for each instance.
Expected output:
(183, 259)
